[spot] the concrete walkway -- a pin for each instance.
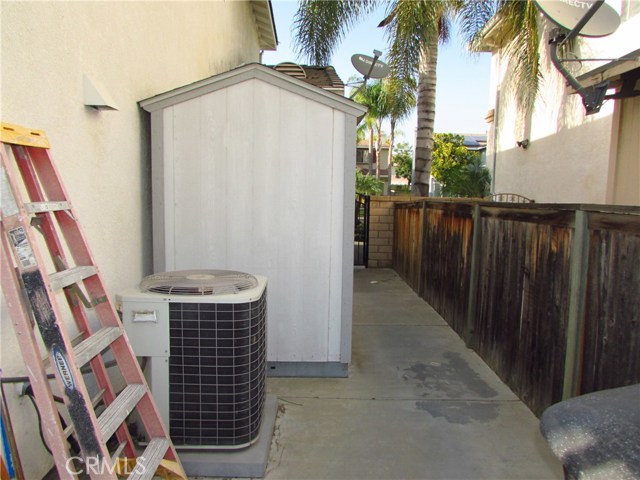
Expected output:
(417, 404)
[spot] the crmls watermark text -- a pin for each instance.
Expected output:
(98, 466)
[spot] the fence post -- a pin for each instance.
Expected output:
(423, 221)
(577, 290)
(473, 276)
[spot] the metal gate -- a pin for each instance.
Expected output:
(361, 236)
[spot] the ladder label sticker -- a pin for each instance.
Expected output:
(63, 368)
(18, 237)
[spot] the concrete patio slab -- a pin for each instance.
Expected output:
(404, 439)
(417, 404)
(404, 362)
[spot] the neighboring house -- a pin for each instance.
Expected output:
(59, 59)
(362, 159)
(475, 142)
(557, 153)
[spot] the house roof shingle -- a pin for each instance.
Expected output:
(323, 77)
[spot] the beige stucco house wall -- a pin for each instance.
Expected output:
(570, 157)
(129, 51)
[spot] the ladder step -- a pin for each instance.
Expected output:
(40, 207)
(60, 280)
(118, 451)
(150, 459)
(119, 410)
(98, 398)
(95, 344)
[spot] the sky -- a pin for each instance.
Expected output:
(462, 92)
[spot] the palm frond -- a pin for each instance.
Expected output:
(473, 16)
(372, 96)
(400, 95)
(320, 25)
(521, 45)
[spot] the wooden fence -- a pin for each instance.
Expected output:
(548, 295)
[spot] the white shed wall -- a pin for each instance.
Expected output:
(256, 180)
(134, 50)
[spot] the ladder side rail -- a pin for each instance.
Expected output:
(20, 155)
(147, 408)
(36, 371)
(94, 285)
(26, 165)
(46, 313)
(74, 236)
(54, 189)
(131, 371)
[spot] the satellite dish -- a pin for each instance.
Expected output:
(370, 67)
(567, 14)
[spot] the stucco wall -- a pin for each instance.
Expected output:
(133, 50)
(569, 155)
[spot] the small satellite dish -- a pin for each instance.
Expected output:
(370, 67)
(567, 14)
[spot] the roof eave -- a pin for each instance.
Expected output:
(491, 35)
(263, 16)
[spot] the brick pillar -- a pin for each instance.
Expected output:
(381, 229)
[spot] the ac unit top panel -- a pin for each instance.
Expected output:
(249, 295)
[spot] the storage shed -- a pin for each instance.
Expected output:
(254, 170)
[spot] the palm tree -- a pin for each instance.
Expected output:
(414, 29)
(401, 99)
(385, 99)
(371, 96)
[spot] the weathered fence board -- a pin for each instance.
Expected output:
(446, 261)
(520, 321)
(407, 259)
(515, 292)
(612, 313)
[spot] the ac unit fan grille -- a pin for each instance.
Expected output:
(198, 282)
(217, 372)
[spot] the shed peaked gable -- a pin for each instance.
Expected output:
(249, 72)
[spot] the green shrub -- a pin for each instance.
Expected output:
(368, 184)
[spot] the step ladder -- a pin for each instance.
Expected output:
(37, 216)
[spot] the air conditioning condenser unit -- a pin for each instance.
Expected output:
(204, 332)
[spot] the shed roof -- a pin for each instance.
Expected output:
(248, 72)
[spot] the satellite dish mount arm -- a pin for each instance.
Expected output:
(592, 97)
(376, 56)
(583, 21)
